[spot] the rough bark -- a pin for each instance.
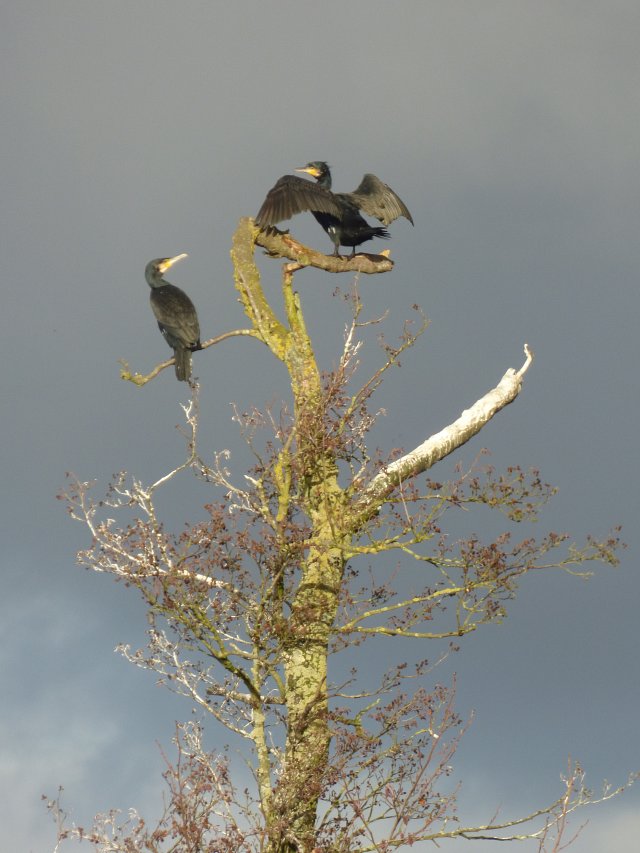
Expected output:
(292, 813)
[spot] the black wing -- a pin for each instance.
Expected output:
(291, 195)
(379, 200)
(176, 316)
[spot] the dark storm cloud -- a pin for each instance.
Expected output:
(132, 131)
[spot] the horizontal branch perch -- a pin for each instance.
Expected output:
(141, 379)
(440, 445)
(280, 244)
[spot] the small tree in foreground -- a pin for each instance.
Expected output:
(296, 563)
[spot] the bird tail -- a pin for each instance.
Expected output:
(183, 363)
(380, 232)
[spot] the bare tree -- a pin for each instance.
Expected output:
(290, 568)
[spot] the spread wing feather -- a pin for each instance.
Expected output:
(379, 200)
(291, 195)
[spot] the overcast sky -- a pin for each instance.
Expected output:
(133, 130)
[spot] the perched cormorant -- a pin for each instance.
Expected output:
(338, 213)
(175, 313)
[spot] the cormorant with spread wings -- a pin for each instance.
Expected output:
(338, 213)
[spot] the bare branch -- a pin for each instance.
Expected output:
(280, 244)
(142, 379)
(443, 443)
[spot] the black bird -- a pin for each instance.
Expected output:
(338, 213)
(175, 313)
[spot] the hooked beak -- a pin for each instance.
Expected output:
(171, 261)
(310, 170)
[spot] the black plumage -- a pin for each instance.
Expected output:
(338, 213)
(175, 313)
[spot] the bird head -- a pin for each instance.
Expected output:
(316, 168)
(157, 268)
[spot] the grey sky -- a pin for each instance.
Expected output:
(134, 130)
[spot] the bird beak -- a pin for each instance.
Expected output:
(310, 170)
(171, 261)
